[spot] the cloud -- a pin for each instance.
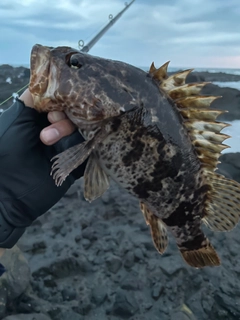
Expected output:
(190, 33)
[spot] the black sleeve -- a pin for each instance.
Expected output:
(26, 188)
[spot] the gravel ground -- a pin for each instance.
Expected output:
(97, 262)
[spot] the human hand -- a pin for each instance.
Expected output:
(60, 126)
(26, 188)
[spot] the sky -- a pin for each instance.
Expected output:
(189, 33)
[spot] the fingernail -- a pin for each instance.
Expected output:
(50, 135)
(56, 116)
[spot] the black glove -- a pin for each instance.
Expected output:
(26, 188)
(2, 269)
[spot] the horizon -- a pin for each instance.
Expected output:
(170, 68)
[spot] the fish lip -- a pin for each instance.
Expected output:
(40, 67)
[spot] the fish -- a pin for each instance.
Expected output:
(153, 134)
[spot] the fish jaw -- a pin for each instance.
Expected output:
(65, 79)
(39, 79)
(40, 63)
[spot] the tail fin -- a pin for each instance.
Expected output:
(222, 208)
(202, 257)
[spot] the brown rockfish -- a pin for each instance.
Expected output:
(151, 133)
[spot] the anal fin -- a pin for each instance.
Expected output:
(96, 181)
(158, 229)
(202, 257)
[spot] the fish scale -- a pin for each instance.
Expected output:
(153, 134)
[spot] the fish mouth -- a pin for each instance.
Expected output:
(39, 66)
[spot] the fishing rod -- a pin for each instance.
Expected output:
(91, 43)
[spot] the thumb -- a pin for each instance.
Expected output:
(57, 131)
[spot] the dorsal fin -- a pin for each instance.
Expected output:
(160, 73)
(199, 119)
(222, 210)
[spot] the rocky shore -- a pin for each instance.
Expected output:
(97, 261)
(12, 79)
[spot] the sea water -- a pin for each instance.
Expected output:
(234, 141)
(234, 129)
(229, 84)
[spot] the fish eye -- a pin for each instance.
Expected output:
(73, 62)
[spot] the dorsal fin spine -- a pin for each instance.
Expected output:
(198, 118)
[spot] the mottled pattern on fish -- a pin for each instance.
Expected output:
(156, 171)
(153, 134)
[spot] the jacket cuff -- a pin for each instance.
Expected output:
(9, 234)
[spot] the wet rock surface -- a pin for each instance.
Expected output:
(11, 80)
(97, 262)
(33, 316)
(119, 274)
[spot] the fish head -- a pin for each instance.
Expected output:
(84, 86)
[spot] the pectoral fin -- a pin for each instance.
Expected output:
(66, 161)
(96, 181)
(158, 229)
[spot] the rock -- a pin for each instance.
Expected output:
(157, 290)
(32, 316)
(68, 294)
(70, 315)
(72, 191)
(39, 247)
(64, 267)
(138, 254)
(171, 264)
(125, 304)
(99, 294)
(90, 234)
(85, 243)
(131, 283)
(179, 316)
(16, 279)
(19, 78)
(212, 76)
(230, 303)
(184, 313)
(58, 225)
(129, 260)
(113, 264)
(3, 299)
(230, 101)
(230, 165)
(84, 306)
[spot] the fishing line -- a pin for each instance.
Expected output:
(96, 38)
(12, 95)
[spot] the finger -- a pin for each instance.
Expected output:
(26, 97)
(55, 116)
(57, 131)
